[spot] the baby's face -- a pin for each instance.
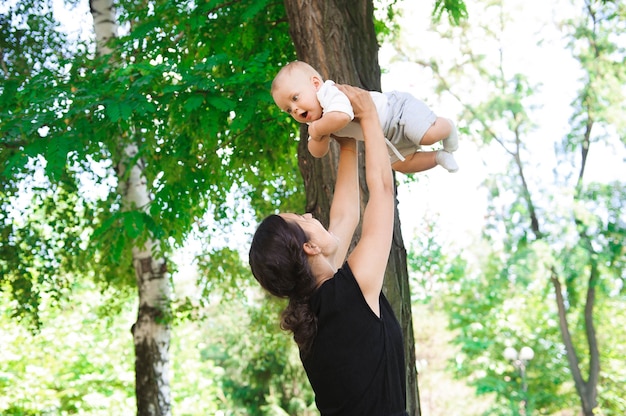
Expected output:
(296, 95)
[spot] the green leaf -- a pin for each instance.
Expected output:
(193, 102)
(221, 103)
(133, 223)
(113, 111)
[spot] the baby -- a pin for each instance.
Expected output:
(407, 122)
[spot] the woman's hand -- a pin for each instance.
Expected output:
(361, 100)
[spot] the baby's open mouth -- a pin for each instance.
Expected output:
(303, 115)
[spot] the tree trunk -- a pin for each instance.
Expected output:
(151, 332)
(338, 39)
(587, 390)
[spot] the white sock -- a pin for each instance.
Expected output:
(446, 160)
(451, 143)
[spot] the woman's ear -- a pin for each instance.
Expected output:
(311, 249)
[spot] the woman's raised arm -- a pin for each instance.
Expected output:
(368, 260)
(345, 207)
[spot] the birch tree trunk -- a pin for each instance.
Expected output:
(339, 40)
(151, 331)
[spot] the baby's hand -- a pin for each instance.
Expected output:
(319, 146)
(313, 134)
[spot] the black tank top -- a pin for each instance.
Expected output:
(356, 362)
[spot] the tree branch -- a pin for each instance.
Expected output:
(572, 358)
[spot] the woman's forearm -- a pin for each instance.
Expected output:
(346, 195)
(345, 208)
(378, 174)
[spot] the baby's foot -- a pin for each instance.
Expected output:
(446, 160)
(452, 142)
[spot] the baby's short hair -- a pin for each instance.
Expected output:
(292, 67)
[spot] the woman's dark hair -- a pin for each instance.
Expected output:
(281, 266)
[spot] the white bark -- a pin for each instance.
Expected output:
(104, 23)
(151, 332)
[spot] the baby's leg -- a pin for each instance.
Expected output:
(421, 161)
(442, 129)
(416, 162)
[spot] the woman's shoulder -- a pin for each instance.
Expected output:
(343, 276)
(341, 292)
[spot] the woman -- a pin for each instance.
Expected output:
(349, 339)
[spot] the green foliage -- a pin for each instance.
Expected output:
(602, 56)
(456, 9)
(432, 269)
(600, 218)
(193, 96)
(43, 246)
(214, 99)
(256, 364)
(231, 357)
(28, 38)
(384, 22)
(541, 223)
(195, 382)
(263, 368)
(490, 314)
(71, 366)
(220, 275)
(385, 12)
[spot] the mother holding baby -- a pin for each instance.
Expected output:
(349, 339)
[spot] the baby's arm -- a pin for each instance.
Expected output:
(319, 147)
(320, 131)
(338, 113)
(330, 123)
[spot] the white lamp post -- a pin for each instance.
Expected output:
(520, 360)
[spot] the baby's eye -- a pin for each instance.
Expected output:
(294, 98)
